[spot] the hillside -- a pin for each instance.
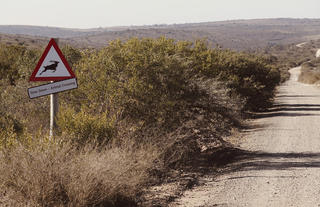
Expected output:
(26, 40)
(159, 110)
(239, 35)
(45, 31)
(235, 34)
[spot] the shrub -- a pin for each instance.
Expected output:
(309, 76)
(310, 72)
(10, 130)
(84, 128)
(152, 81)
(8, 60)
(252, 78)
(9, 122)
(54, 175)
(16, 62)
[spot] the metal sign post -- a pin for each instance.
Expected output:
(53, 67)
(54, 108)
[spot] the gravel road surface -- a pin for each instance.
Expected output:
(318, 53)
(279, 160)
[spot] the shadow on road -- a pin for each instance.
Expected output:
(230, 159)
(296, 105)
(289, 110)
(284, 114)
(297, 96)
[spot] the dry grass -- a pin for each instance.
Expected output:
(309, 77)
(191, 119)
(51, 175)
(310, 73)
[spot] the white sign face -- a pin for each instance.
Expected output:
(52, 66)
(51, 88)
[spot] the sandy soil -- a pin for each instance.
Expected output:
(279, 160)
(301, 44)
(318, 53)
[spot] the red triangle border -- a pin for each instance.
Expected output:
(53, 43)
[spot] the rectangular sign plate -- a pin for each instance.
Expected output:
(51, 88)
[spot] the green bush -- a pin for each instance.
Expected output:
(16, 62)
(83, 128)
(10, 130)
(152, 79)
(8, 58)
(252, 78)
(141, 80)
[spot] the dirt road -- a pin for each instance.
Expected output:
(318, 53)
(279, 160)
(301, 44)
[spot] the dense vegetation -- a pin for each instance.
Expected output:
(310, 72)
(142, 106)
(286, 57)
(310, 69)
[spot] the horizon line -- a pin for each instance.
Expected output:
(156, 25)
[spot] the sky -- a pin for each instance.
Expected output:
(107, 13)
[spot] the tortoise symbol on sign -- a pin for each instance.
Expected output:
(52, 67)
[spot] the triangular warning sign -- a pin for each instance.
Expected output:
(52, 65)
